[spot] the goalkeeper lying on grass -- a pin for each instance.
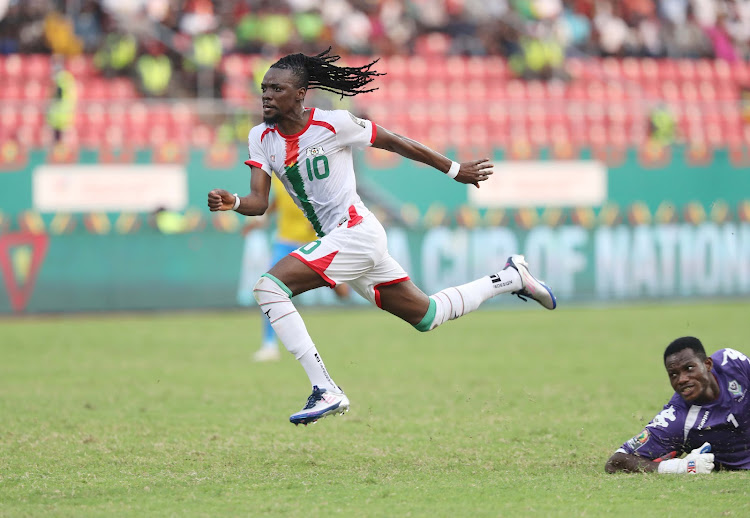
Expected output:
(708, 416)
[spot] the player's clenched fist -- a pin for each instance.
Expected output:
(219, 199)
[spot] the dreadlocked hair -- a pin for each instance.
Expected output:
(319, 72)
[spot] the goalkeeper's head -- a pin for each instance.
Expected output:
(689, 371)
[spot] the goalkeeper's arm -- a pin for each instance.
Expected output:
(700, 460)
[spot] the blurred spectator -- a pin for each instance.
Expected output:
(662, 128)
(60, 36)
(62, 108)
(154, 71)
(88, 25)
(117, 55)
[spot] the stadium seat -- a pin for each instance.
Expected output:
(81, 67)
(36, 66)
(432, 44)
(36, 90)
(10, 116)
(612, 69)
(235, 67)
(33, 116)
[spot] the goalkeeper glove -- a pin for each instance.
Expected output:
(700, 460)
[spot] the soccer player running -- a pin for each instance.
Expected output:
(310, 150)
(708, 416)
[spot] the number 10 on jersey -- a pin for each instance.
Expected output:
(318, 166)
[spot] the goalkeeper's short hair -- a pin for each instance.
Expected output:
(685, 342)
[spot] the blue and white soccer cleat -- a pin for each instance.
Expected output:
(532, 287)
(321, 403)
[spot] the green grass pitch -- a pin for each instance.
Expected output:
(502, 413)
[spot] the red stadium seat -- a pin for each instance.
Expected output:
(432, 44)
(476, 68)
(456, 67)
(36, 66)
(36, 90)
(121, 88)
(12, 67)
(32, 116)
(612, 69)
(686, 70)
(10, 117)
(235, 66)
(668, 70)
(82, 67)
(416, 71)
(704, 69)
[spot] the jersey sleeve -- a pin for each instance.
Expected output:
(664, 434)
(735, 361)
(353, 131)
(256, 156)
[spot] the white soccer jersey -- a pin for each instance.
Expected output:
(315, 165)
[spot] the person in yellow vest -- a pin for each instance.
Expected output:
(117, 54)
(292, 231)
(154, 71)
(62, 108)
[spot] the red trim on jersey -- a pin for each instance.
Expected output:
(297, 135)
(354, 218)
(324, 124)
(266, 131)
(377, 288)
(319, 265)
(253, 163)
(374, 133)
(292, 151)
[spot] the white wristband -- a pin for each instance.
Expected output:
(453, 171)
(236, 202)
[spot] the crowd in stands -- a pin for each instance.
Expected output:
(183, 36)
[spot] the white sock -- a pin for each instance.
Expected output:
(316, 369)
(451, 303)
(272, 296)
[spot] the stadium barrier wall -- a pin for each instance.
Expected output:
(673, 224)
(150, 271)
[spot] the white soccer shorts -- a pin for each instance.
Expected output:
(357, 255)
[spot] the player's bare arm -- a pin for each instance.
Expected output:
(470, 172)
(254, 204)
(628, 463)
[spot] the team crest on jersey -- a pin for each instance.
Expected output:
(357, 121)
(735, 388)
(639, 440)
(315, 151)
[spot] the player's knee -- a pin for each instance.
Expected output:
(269, 287)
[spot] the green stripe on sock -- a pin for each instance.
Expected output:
(281, 284)
(429, 317)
